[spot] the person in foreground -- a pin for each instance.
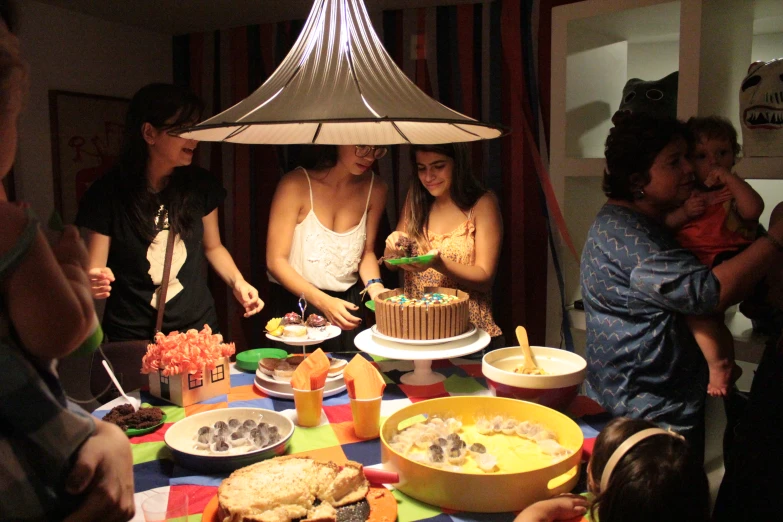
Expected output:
(639, 284)
(448, 213)
(57, 461)
(322, 226)
(128, 213)
(637, 472)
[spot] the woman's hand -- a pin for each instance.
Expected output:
(103, 471)
(100, 282)
(338, 312)
(247, 296)
(435, 262)
(391, 249)
(374, 289)
(563, 507)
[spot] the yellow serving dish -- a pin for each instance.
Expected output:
(483, 492)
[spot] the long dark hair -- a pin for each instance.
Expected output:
(165, 107)
(659, 478)
(465, 190)
(317, 157)
(631, 148)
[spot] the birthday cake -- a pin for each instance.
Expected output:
(438, 314)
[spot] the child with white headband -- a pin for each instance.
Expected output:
(637, 472)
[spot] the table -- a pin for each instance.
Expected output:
(154, 468)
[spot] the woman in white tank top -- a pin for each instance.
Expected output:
(320, 243)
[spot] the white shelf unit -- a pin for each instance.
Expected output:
(597, 45)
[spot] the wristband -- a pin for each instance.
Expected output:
(775, 242)
(370, 282)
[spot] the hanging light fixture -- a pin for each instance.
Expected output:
(339, 86)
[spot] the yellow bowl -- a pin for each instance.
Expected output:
(486, 492)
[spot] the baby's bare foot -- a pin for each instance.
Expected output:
(720, 379)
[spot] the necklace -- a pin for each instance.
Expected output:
(161, 220)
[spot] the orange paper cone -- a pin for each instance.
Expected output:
(362, 380)
(312, 372)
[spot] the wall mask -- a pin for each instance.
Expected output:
(657, 98)
(761, 109)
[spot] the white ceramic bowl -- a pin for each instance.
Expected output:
(565, 373)
(179, 438)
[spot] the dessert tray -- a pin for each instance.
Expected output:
(422, 342)
(330, 332)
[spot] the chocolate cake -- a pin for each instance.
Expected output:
(437, 314)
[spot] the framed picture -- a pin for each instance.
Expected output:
(86, 140)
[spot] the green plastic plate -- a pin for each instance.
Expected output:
(248, 360)
(370, 305)
(408, 260)
(132, 432)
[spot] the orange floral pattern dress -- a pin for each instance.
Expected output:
(459, 246)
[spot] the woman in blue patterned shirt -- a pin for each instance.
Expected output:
(638, 284)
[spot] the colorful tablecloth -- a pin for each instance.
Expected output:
(154, 469)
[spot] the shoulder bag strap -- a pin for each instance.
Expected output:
(164, 284)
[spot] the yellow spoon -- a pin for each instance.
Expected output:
(529, 363)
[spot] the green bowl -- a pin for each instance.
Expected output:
(370, 305)
(248, 360)
(426, 258)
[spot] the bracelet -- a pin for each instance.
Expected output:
(370, 282)
(775, 242)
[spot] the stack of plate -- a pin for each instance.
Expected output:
(281, 388)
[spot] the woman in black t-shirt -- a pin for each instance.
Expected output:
(129, 213)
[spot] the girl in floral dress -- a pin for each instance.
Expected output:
(448, 213)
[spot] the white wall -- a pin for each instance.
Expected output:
(767, 47)
(595, 78)
(74, 52)
(652, 61)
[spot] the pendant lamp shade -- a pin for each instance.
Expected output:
(339, 86)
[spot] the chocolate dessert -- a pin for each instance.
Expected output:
(407, 246)
(124, 417)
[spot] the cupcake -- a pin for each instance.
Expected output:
(291, 318)
(316, 321)
(316, 326)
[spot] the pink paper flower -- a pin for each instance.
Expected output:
(189, 352)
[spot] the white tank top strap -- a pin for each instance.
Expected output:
(309, 186)
(369, 194)
(470, 214)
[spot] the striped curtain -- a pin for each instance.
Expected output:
(479, 59)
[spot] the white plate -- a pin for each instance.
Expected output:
(331, 332)
(274, 380)
(425, 342)
(367, 342)
(283, 391)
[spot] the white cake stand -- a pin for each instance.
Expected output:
(422, 355)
